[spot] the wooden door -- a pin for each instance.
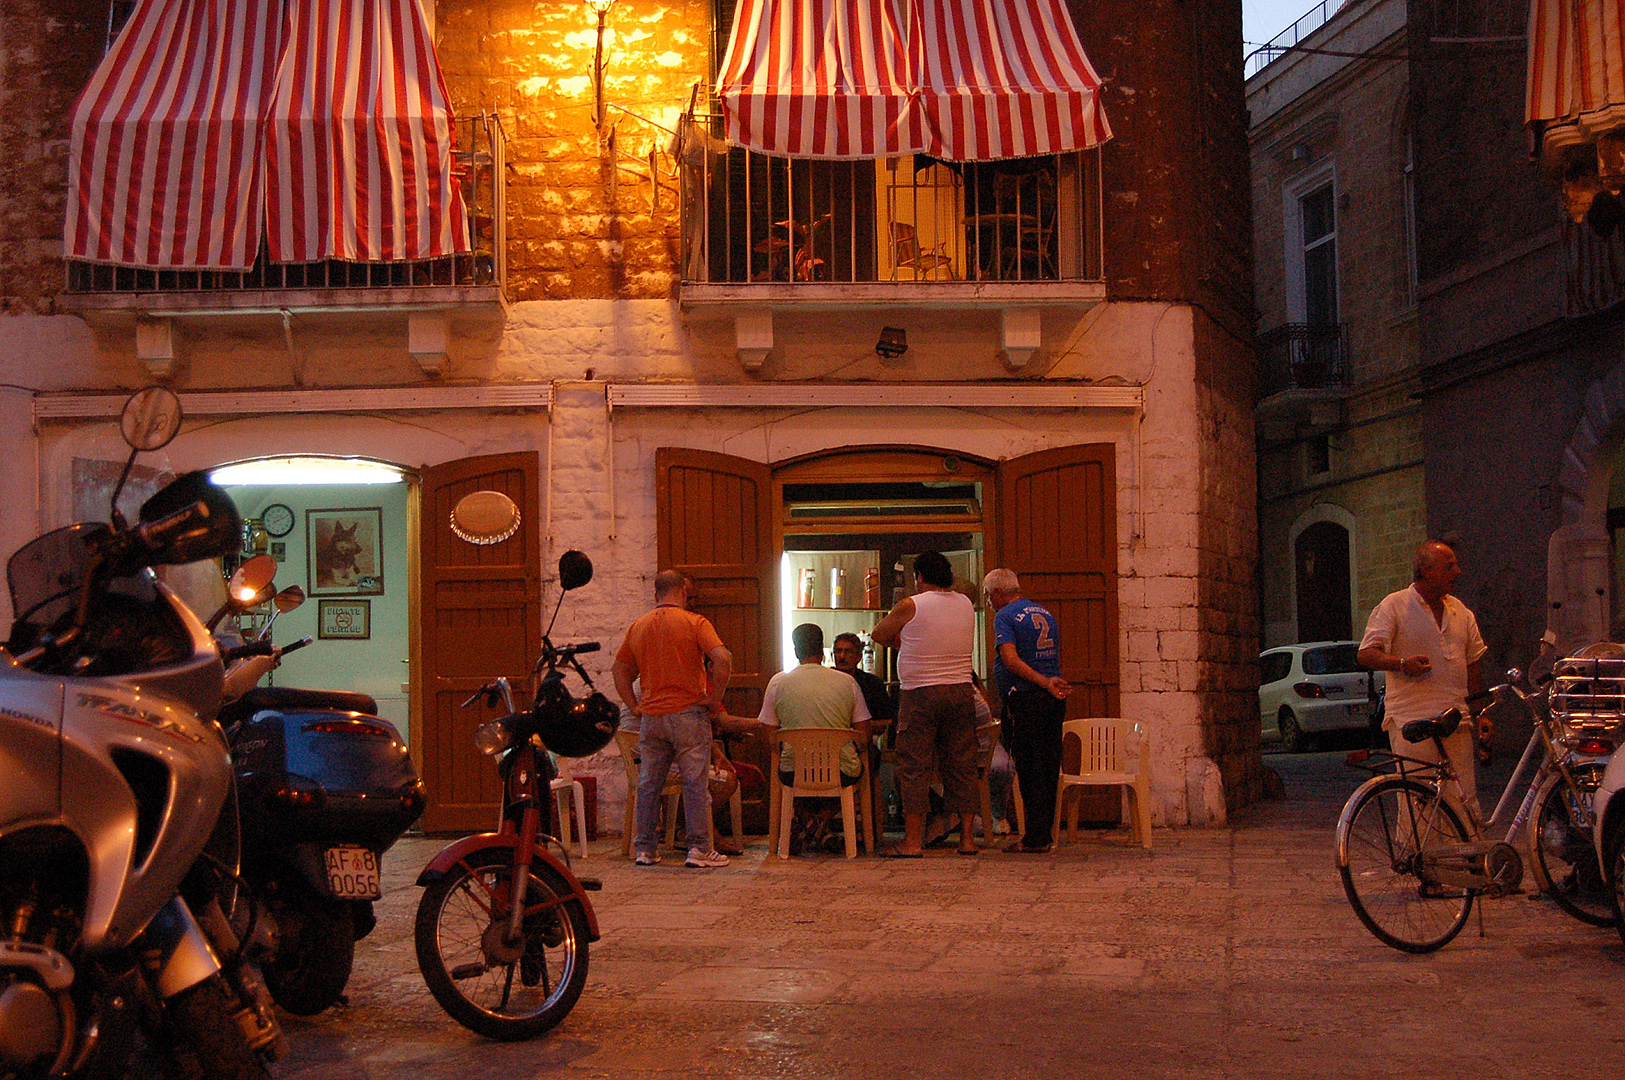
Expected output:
(1057, 529)
(715, 524)
(1325, 612)
(481, 616)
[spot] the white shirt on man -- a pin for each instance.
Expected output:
(1403, 625)
(934, 647)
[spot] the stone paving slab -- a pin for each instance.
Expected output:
(1224, 953)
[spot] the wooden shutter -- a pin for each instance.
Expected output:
(1058, 532)
(482, 613)
(716, 525)
(1057, 529)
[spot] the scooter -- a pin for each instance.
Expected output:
(504, 959)
(118, 813)
(327, 787)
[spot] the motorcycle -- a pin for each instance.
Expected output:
(118, 814)
(504, 959)
(327, 786)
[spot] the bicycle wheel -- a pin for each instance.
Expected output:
(1562, 848)
(1378, 840)
(500, 993)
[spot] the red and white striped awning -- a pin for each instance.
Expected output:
(1576, 79)
(359, 138)
(163, 165)
(963, 80)
(323, 125)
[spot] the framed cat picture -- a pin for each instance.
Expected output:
(345, 549)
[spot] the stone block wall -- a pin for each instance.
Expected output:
(48, 48)
(583, 219)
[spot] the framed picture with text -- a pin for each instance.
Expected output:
(344, 619)
(345, 551)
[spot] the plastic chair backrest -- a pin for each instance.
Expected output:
(817, 755)
(1110, 748)
(991, 733)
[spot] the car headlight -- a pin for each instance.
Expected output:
(493, 738)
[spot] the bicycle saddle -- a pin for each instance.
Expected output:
(1434, 727)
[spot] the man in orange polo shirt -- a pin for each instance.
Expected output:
(667, 650)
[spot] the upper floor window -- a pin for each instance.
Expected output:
(1311, 263)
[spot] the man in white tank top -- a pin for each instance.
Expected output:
(933, 632)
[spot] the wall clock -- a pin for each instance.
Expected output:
(277, 519)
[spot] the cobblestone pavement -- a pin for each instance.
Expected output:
(1222, 953)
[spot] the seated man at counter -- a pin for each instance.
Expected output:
(811, 695)
(847, 650)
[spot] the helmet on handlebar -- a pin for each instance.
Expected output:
(576, 727)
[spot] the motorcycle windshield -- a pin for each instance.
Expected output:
(46, 574)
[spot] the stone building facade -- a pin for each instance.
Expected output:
(1340, 451)
(611, 375)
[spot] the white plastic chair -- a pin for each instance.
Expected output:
(565, 784)
(817, 753)
(1112, 752)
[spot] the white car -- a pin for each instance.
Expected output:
(1306, 690)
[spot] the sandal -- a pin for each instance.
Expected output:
(892, 851)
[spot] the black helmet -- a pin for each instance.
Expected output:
(576, 728)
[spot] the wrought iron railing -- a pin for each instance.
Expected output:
(1282, 43)
(1302, 356)
(479, 168)
(750, 218)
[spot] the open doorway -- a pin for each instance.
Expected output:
(338, 528)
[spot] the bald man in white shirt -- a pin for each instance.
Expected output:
(1429, 643)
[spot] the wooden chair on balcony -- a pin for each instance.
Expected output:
(906, 251)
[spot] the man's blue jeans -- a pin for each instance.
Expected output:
(685, 737)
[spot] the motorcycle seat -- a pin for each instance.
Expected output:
(293, 698)
(1434, 727)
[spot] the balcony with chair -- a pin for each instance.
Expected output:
(770, 230)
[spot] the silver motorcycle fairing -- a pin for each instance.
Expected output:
(30, 747)
(139, 844)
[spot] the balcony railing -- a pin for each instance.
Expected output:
(479, 168)
(753, 219)
(1302, 356)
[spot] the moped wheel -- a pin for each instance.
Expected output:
(1562, 847)
(1382, 839)
(500, 993)
(315, 951)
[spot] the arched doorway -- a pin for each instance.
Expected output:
(1320, 556)
(1050, 516)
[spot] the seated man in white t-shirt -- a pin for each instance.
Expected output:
(1429, 643)
(811, 695)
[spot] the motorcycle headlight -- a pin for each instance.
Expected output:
(493, 738)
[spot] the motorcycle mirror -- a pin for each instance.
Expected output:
(151, 418)
(575, 570)
(252, 582)
(289, 598)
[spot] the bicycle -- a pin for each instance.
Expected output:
(1411, 865)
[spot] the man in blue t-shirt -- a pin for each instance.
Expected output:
(1027, 673)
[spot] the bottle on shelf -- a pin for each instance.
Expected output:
(808, 577)
(837, 587)
(871, 587)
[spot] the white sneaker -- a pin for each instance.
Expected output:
(702, 860)
(646, 858)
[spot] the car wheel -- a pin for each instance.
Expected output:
(1293, 740)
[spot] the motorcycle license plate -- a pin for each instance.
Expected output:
(352, 873)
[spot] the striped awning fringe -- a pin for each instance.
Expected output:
(322, 125)
(961, 80)
(1575, 89)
